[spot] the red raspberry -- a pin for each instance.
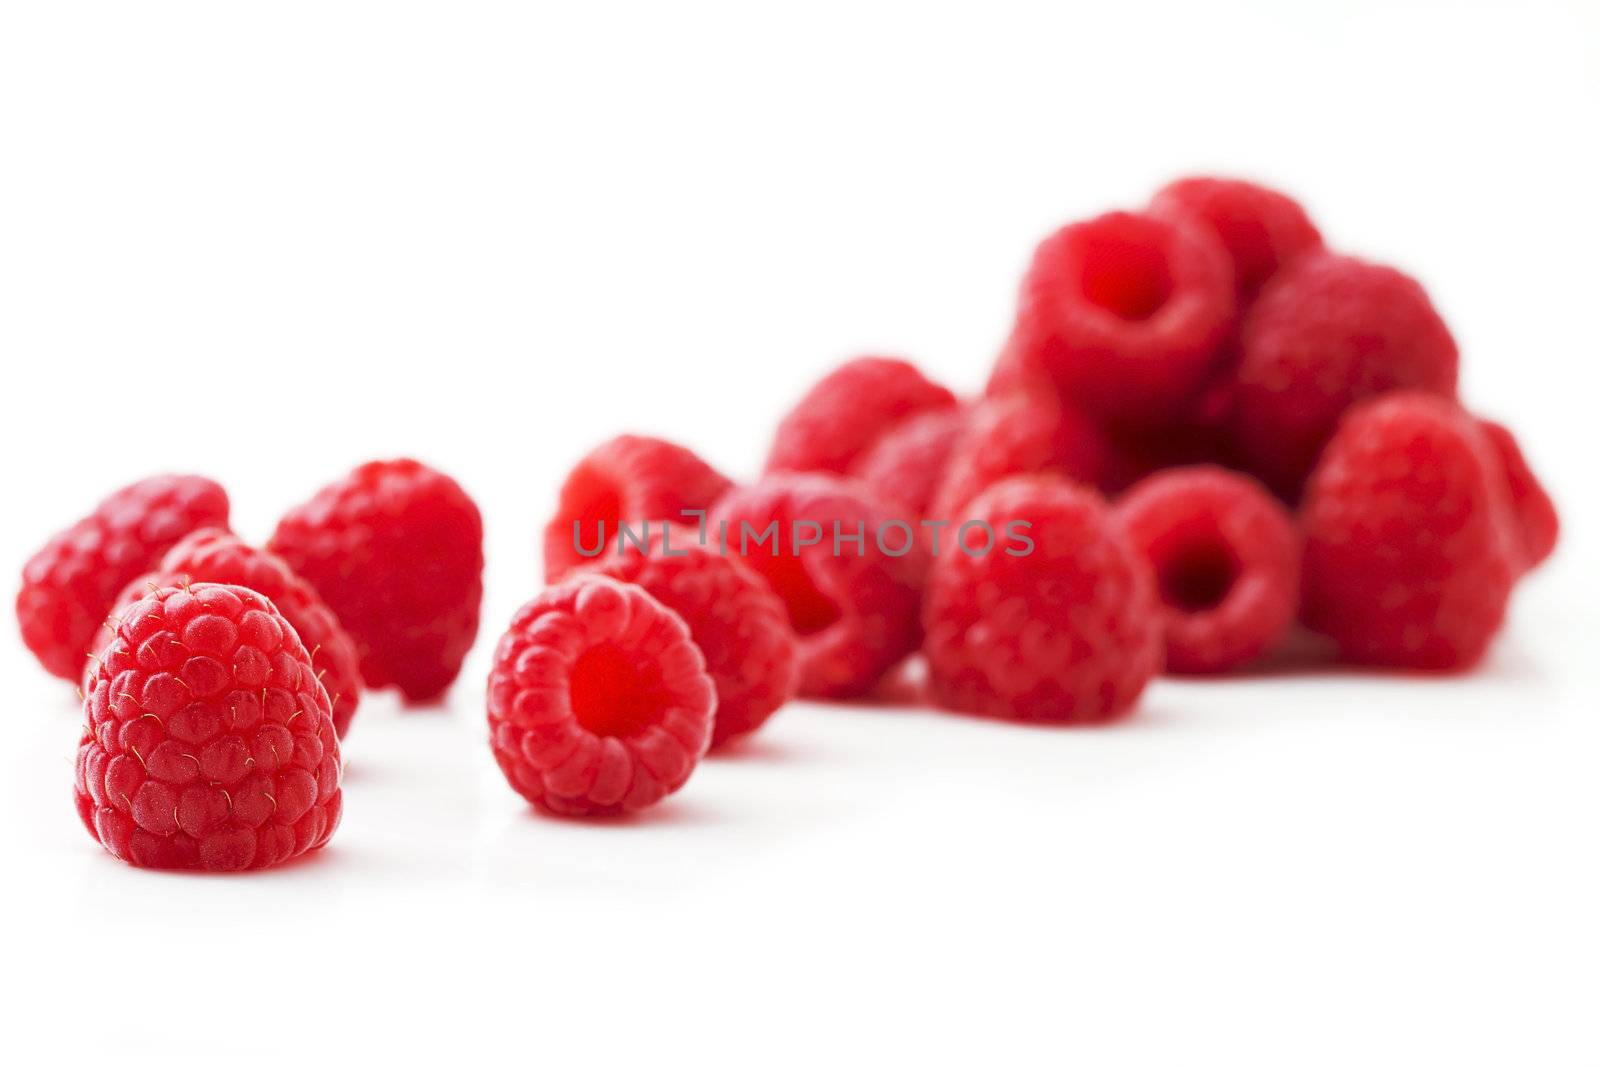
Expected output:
(735, 618)
(396, 550)
(629, 479)
(1056, 622)
(905, 466)
(1226, 557)
(1330, 330)
(843, 414)
(70, 585)
(599, 702)
(1124, 313)
(1410, 550)
(853, 604)
(1538, 525)
(208, 743)
(219, 557)
(1261, 228)
(1021, 433)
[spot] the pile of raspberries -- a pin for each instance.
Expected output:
(1209, 442)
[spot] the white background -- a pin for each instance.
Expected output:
(267, 242)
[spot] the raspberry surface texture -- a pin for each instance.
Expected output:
(847, 570)
(1261, 228)
(1327, 332)
(628, 479)
(738, 622)
(1411, 552)
(71, 584)
(1124, 313)
(1063, 629)
(1226, 558)
(395, 548)
(208, 744)
(846, 412)
(220, 558)
(1538, 525)
(905, 466)
(599, 700)
(1024, 432)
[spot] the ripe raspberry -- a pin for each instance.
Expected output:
(70, 584)
(599, 702)
(220, 558)
(1124, 313)
(629, 479)
(905, 466)
(1226, 557)
(1261, 228)
(1061, 627)
(208, 743)
(1538, 525)
(847, 411)
(396, 550)
(1021, 433)
(738, 622)
(852, 603)
(1330, 330)
(1410, 549)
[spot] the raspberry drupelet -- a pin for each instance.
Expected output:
(599, 701)
(208, 743)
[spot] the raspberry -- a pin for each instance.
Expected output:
(1021, 433)
(1061, 626)
(1410, 550)
(396, 550)
(208, 742)
(599, 701)
(70, 585)
(735, 618)
(1328, 331)
(845, 568)
(629, 479)
(1226, 557)
(1261, 228)
(847, 411)
(905, 466)
(219, 557)
(1124, 313)
(1538, 526)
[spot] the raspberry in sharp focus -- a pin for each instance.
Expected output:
(841, 416)
(1538, 525)
(628, 479)
(220, 558)
(1226, 558)
(1063, 628)
(599, 701)
(1328, 331)
(847, 570)
(208, 743)
(1026, 432)
(1124, 313)
(70, 585)
(1410, 548)
(738, 622)
(904, 467)
(395, 548)
(1261, 228)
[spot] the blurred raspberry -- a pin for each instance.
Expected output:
(904, 467)
(1261, 228)
(70, 585)
(628, 479)
(841, 416)
(208, 743)
(599, 702)
(1538, 525)
(395, 548)
(1025, 432)
(1411, 552)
